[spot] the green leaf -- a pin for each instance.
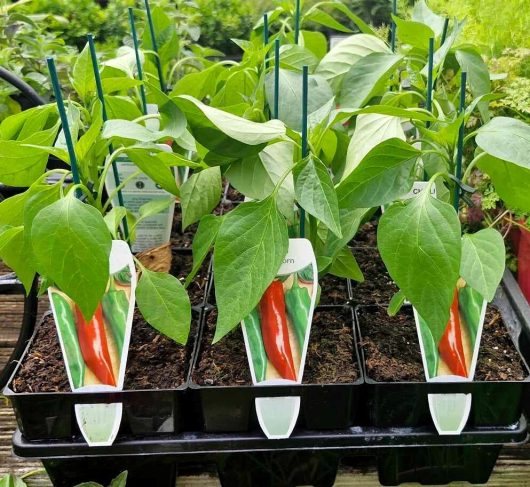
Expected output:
(121, 107)
(323, 18)
(478, 76)
(125, 60)
(120, 480)
(367, 78)
(350, 220)
(238, 88)
(290, 100)
(114, 218)
(203, 241)
(152, 165)
(200, 194)
(315, 192)
(257, 176)
(370, 130)
(511, 182)
(71, 244)
(315, 41)
(385, 174)
(249, 249)
(14, 253)
(83, 79)
(414, 34)
(483, 261)
(422, 13)
(165, 304)
(128, 130)
(343, 9)
(345, 265)
(396, 303)
(12, 481)
(507, 139)
(294, 57)
(113, 85)
(226, 134)
(338, 61)
(154, 207)
(420, 245)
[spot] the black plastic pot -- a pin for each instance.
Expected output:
(231, 408)
(250, 460)
(50, 415)
(403, 404)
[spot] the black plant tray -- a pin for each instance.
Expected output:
(250, 460)
(232, 409)
(494, 403)
(50, 415)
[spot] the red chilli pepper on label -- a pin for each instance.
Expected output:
(93, 344)
(450, 347)
(275, 331)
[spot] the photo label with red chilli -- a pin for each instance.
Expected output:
(277, 334)
(95, 350)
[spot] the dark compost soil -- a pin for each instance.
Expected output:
(154, 361)
(330, 357)
(181, 266)
(392, 352)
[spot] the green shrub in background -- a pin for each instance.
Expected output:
(493, 24)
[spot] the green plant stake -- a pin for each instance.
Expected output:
(276, 78)
(155, 46)
(444, 31)
(460, 142)
(99, 89)
(138, 60)
(265, 29)
(393, 27)
(64, 121)
(297, 22)
(430, 68)
(305, 88)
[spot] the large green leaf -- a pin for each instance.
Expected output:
(71, 244)
(478, 75)
(203, 241)
(345, 265)
(511, 182)
(165, 304)
(13, 252)
(290, 99)
(257, 176)
(483, 261)
(385, 174)
(507, 139)
(422, 13)
(420, 245)
(415, 34)
(83, 79)
(367, 78)
(226, 134)
(338, 61)
(315, 192)
(249, 249)
(350, 220)
(293, 56)
(152, 164)
(370, 130)
(200, 194)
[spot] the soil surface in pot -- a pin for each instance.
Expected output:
(181, 266)
(154, 361)
(392, 351)
(378, 287)
(366, 236)
(330, 356)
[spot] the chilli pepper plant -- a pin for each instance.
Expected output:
(377, 122)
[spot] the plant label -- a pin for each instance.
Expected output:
(154, 230)
(277, 333)
(417, 188)
(453, 358)
(95, 351)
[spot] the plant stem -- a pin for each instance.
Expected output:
(146, 117)
(124, 183)
(108, 163)
(471, 166)
(498, 219)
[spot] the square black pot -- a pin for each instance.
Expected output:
(51, 416)
(231, 408)
(405, 404)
